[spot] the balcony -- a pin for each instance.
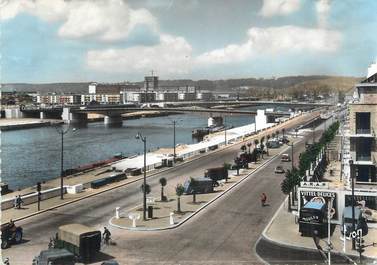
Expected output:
(363, 132)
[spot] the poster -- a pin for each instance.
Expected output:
(320, 196)
(368, 206)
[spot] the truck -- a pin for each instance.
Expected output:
(55, 257)
(83, 241)
(202, 185)
(216, 174)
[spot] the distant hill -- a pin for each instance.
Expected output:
(288, 83)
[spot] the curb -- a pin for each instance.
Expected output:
(148, 176)
(206, 204)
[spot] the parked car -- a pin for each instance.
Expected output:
(279, 170)
(202, 185)
(285, 158)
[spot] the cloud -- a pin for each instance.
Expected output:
(279, 7)
(102, 20)
(170, 57)
(45, 9)
(323, 10)
(274, 40)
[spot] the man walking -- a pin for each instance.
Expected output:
(106, 236)
(18, 202)
(263, 199)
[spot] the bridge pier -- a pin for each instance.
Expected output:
(215, 121)
(69, 117)
(113, 119)
(14, 114)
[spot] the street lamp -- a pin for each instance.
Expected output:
(144, 139)
(174, 155)
(225, 130)
(62, 130)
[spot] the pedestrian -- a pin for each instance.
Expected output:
(263, 199)
(106, 236)
(51, 243)
(19, 202)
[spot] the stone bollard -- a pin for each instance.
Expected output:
(171, 219)
(117, 212)
(134, 217)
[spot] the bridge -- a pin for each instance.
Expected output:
(112, 113)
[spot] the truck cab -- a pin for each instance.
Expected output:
(54, 257)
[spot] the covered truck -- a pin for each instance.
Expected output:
(216, 174)
(81, 240)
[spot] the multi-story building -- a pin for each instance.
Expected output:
(150, 83)
(63, 99)
(363, 128)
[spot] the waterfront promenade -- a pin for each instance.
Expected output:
(86, 177)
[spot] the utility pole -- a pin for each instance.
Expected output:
(144, 140)
(174, 155)
(329, 216)
(62, 131)
(225, 130)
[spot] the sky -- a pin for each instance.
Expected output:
(124, 40)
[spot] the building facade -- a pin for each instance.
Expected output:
(363, 127)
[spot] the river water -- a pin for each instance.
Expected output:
(33, 155)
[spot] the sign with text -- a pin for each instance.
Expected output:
(320, 196)
(319, 185)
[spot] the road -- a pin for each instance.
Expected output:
(223, 233)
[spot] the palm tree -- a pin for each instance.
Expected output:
(237, 161)
(286, 187)
(179, 190)
(193, 184)
(268, 138)
(163, 183)
(248, 145)
(262, 146)
(243, 148)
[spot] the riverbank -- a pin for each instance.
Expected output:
(26, 123)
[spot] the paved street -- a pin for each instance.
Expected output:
(224, 232)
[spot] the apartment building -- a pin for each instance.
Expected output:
(363, 128)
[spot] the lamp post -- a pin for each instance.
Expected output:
(62, 131)
(144, 140)
(225, 129)
(353, 201)
(313, 129)
(174, 154)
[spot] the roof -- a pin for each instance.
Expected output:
(77, 229)
(314, 205)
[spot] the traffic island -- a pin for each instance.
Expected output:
(166, 214)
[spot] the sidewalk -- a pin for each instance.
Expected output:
(290, 236)
(81, 178)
